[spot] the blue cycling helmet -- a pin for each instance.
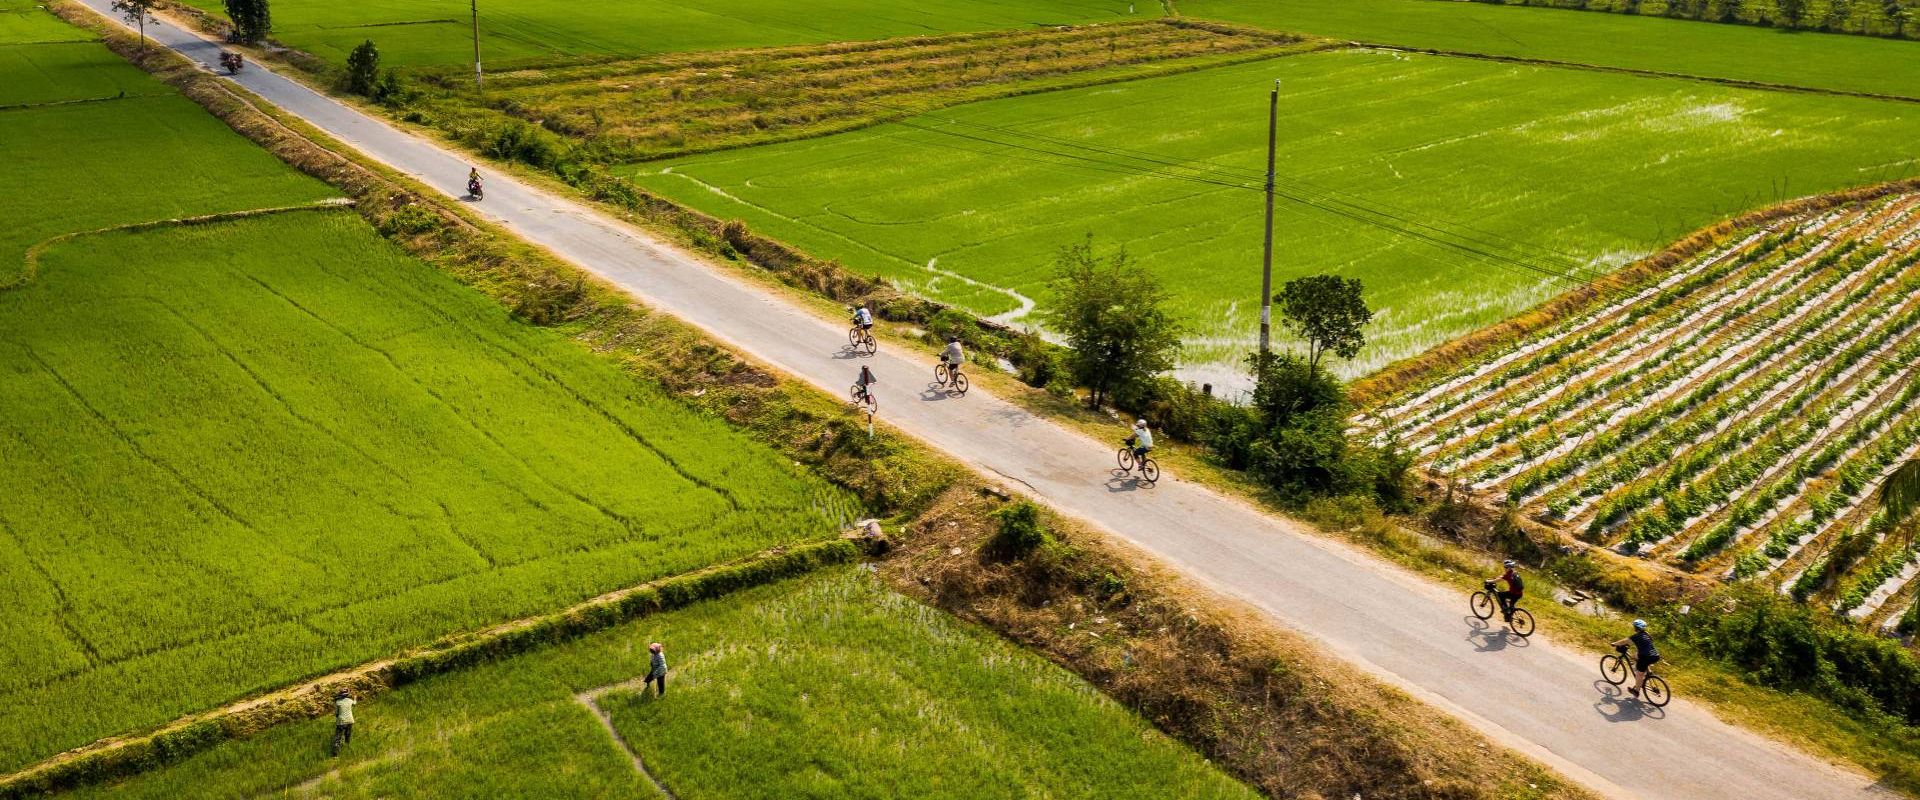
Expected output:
(1639, 624)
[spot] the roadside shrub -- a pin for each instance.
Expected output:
(1020, 531)
(363, 69)
(516, 140)
(1790, 646)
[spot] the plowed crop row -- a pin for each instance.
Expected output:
(1730, 416)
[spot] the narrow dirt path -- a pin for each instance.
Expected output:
(591, 699)
(1542, 700)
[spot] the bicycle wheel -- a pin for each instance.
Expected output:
(940, 374)
(960, 382)
(1482, 605)
(1150, 471)
(869, 344)
(1522, 623)
(1655, 692)
(1126, 458)
(1613, 669)
(856, 394)
(853, 335)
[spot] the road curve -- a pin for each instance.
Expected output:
(1541, 699)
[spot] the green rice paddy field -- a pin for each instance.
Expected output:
(1799, 58)
(242, 452)
(438, 32)
(1602, 167)
(827, 686)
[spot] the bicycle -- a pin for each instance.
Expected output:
(1618, 669)
(1485, 602)
(864, 398)
(955, 380)
(1149, 471)
(861, 340)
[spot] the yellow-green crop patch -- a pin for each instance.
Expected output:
(828, 686)
(241, 452)
(421, 32)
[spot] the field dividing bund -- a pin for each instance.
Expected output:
(825, 685)
(1728, 417)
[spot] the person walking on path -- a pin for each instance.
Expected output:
(342, 721)
(656, 670)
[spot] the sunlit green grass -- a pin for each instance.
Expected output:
(830, 686)
(1800, 58)
(238, 453)
(437, 32)
(1596, 166)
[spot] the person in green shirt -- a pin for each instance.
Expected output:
(342, 720)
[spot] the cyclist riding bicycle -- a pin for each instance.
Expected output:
(1511, 596)
(863, 318)
(1644, 657)
(865, 381)
(953, 356)
(1141, 441)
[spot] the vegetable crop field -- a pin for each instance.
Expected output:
(826, 686)
(252, 449)
(1730, 416)
(967, 204)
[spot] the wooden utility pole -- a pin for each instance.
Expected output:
(476, 43)
(1266, 257)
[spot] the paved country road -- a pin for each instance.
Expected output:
(1537, 697)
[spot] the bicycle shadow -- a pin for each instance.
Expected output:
(1488, 639)
(849, 352)
(1615, 705)
(935, 392)
(1122, 481)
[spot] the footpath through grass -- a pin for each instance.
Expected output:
(1739, 52)
(242, 452)
(1597, 166)
(827, 686)
(426, 32)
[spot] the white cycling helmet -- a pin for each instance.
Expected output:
(1508, 564)
(1639, 624)
(1139, 423)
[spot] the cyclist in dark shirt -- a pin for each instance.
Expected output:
(1511, 596)
(1645, 654)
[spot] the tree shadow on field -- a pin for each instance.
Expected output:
(1489, 638)
(1615, 705)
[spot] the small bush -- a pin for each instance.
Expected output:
(1021, 531)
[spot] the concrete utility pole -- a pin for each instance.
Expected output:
(476, 43)
(1266, 258)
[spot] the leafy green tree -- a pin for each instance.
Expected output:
(1114, 316)
(1327, 311)
(1790, 12)
(363, 69)
(1899, 494)
(137, 13)
(251, 21)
